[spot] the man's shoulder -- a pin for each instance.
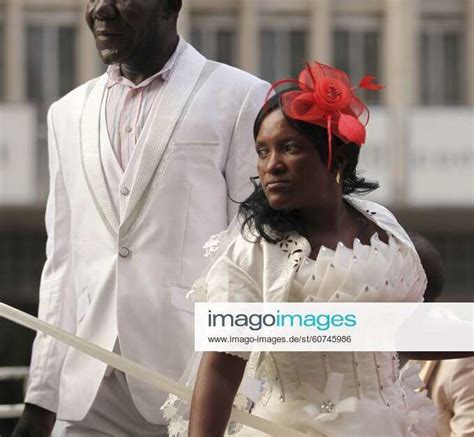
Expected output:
(234, 72)
(223, 73)
(227, 75)
(76, 96)
(456, 368)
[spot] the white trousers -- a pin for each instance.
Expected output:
(113, 414)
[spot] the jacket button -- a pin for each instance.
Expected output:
(125, 191)
(124, 252)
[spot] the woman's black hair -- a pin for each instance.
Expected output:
(174, 5)
(256, 213)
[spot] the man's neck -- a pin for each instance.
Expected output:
(150, 63)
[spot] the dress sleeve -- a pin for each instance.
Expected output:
(235, 269)
(228, 282)
(234, 276)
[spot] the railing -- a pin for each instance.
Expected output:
(8, 374)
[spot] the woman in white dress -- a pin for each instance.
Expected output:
(306, 238)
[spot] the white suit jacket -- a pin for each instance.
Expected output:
(124, 274)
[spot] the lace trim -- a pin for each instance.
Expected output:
(211, 246)
(176, 412)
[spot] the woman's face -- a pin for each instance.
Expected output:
(289, 167)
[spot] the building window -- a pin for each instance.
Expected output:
(357, 43)
(442, 77)
(283, 46)
(214, 36)
(50, 61)
(283, 53)
(51, 66)
(2, 61)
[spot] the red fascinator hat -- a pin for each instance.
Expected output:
(326, 98)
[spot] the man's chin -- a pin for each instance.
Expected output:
(111, 56)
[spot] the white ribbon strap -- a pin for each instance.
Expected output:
(333, 387)
(138, 371)
(251, 388)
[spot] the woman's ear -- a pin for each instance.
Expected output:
(341, 158)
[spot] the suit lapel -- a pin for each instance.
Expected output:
(176, 93)
(90, 154)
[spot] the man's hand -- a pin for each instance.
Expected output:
(35, 422)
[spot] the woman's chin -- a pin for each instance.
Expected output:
(278, 203)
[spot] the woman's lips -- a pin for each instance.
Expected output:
(277, 185)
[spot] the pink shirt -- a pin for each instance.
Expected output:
(128, 105)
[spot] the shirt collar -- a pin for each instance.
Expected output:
(116, 78)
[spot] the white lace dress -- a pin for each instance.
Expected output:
(327, 394)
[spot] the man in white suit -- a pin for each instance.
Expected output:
(143, 161)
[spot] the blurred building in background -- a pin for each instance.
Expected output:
(420, 138)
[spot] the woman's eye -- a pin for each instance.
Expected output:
(262, 153)
(291, 147)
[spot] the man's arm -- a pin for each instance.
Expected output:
(461, 394)
(56, 304)
(242, 158)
